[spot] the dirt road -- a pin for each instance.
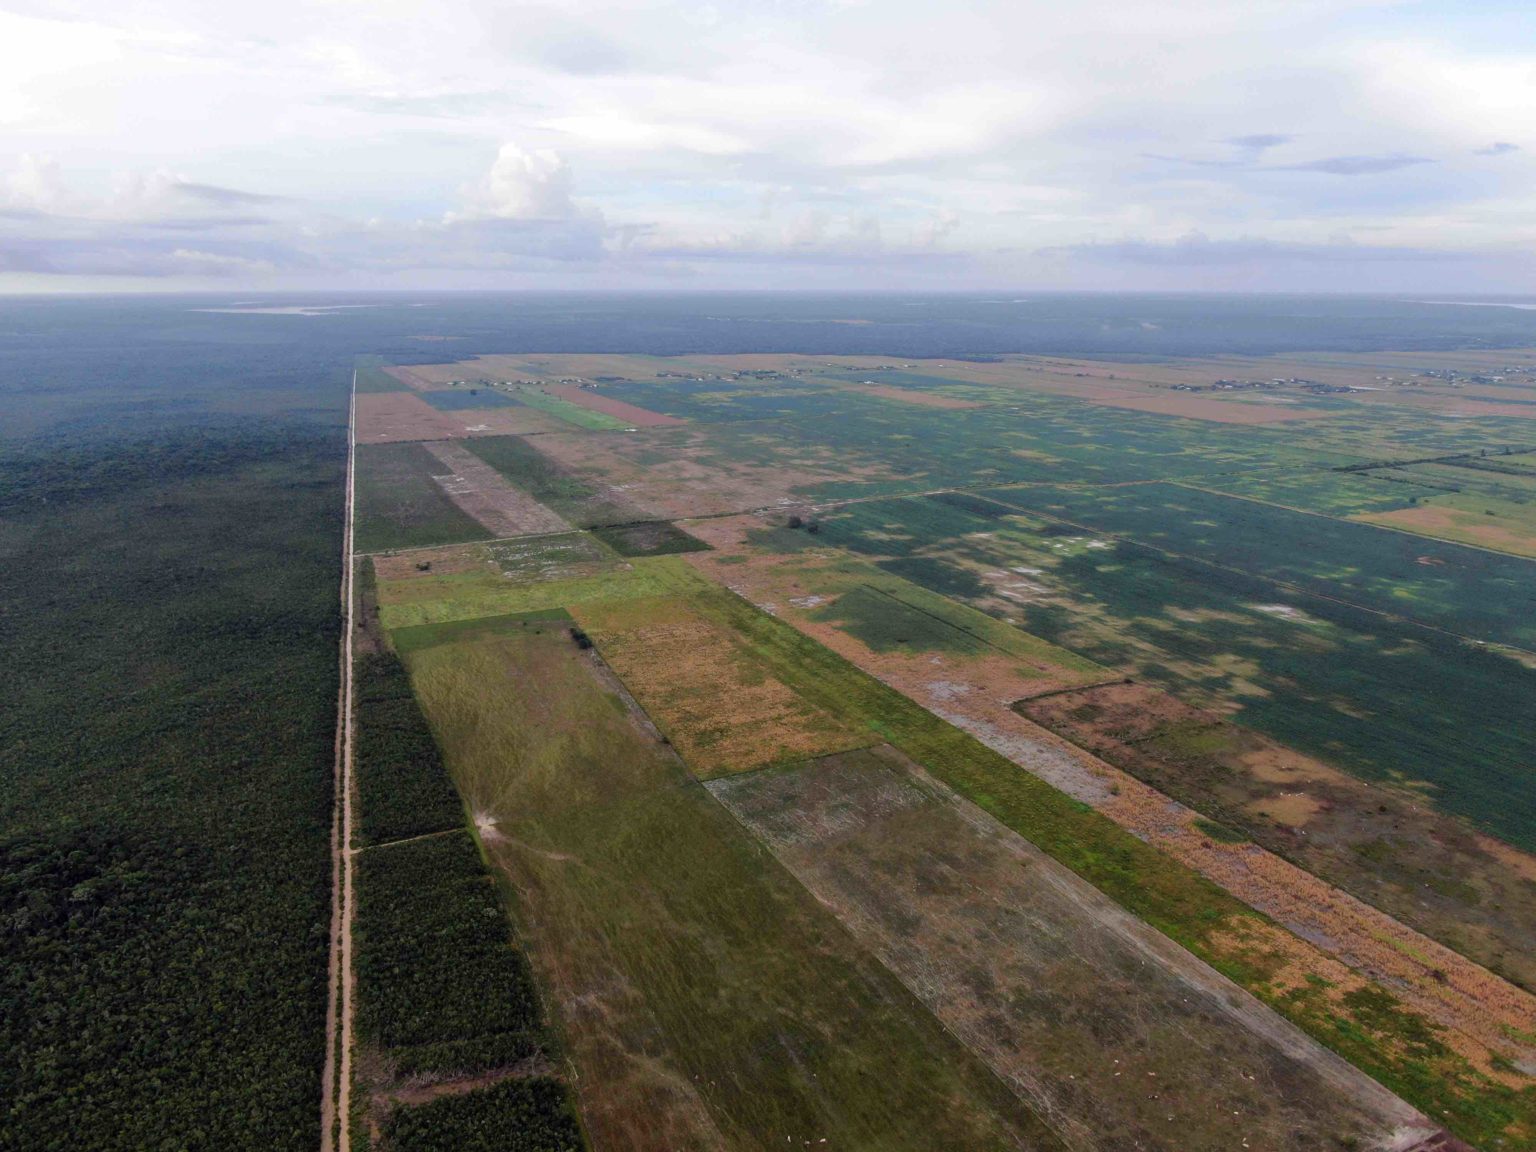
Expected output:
(336, 1093)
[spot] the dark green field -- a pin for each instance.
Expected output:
(399, 505)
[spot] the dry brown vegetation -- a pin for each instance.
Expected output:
(389, 417)
(718, 706)
(1384, 844)
(1455, 524)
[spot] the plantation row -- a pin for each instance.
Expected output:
(403, 787)
(440, 984)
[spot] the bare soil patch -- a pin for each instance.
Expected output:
(484, 493)
(412, 378)
(1092, 1017)
(506, 421)
(680, 473)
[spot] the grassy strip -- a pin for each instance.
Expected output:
(1375, 1031)
(570, 413)
(532, 1115)
(707, 994)
(437, 973)
(437, 600)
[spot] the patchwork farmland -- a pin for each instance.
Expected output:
(1029, 752)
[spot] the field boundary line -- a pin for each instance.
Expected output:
(409, 839)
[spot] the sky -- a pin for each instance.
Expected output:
(1113, 145)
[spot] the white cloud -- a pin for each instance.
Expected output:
(813, 129)
(522, 186)
(36, 185)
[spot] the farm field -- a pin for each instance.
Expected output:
(864, 743)
(906, 627)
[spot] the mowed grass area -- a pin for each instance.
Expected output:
(706, 1000)
(1363, 1022)
(400, 505)
(434, 598)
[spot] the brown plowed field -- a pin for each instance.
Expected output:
(389, 417)
(716, 703)
(484, 493)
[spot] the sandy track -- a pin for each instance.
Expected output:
(336, 1092)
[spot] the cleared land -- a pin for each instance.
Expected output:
(705, 999)
(1093, 1017)
(388, 417)
(400, 504)
(480, 490)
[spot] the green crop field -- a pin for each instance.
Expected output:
(571, 413)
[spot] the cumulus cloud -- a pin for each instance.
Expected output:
(522, 186)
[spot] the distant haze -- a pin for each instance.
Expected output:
(1206, 145)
